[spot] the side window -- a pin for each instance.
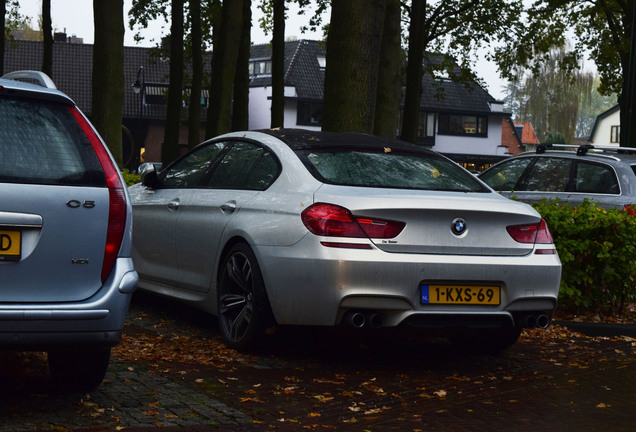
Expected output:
(189, 171)
(264, 173)
(548, 174)
(245, 166)
(595, 178)
(504, 177)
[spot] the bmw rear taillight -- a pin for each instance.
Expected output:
(531, 233)
(117, 195)
(335, 221)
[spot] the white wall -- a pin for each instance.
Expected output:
(604, 129)
(260, 109)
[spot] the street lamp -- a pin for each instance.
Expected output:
(139, 87)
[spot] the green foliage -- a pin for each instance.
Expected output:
(600, 30)
(550, 94)
(130, 178)
(598, 104)
(597, 248)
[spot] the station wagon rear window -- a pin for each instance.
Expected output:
(41, 143)
(388, 169)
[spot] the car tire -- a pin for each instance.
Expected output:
(487, 341)
(244, 310)
(81, 370)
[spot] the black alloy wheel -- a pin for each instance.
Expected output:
(244, 311)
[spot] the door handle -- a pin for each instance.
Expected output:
(228, 207)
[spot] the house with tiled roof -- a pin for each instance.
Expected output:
(607, 127)
(511, 137)
(304, 84)
(462, 121)
(529, 139)
(143, 113)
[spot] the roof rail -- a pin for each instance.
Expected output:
(583, 149)
(614, 149)
(29, 75)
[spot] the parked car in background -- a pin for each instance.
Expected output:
(604, 175)
(295, 227)
(66, 275)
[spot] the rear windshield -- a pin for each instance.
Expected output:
(390, 169)
(41, 143)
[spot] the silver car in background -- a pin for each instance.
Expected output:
(603, 174)
(66, 274)
(295, 227)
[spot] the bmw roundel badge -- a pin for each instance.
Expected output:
(458, 226)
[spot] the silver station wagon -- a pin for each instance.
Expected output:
(605, 175)
(66, 275)
(294, 227)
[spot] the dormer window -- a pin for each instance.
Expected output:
(322, 62)
(261, 67)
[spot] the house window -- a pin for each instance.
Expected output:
(615, 135)
(467, 125)
(322, 62)
(260, 67)
(309, 113)
(155, 95)
(426, 125)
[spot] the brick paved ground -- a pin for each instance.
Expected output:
(567, 383)
(130, 397)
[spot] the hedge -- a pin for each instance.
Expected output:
(130, 178)
(597, 248)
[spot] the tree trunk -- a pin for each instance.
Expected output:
(170, 147)
(414, 72)
(278, 65)
(194, 118)
(3, 13)
(627, 98)
(241, 99)
(224, 58)
(47, 35)
(389, 73)
(108, 73)
(353, 47)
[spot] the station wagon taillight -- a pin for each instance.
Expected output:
(335, 221)
(117, 196)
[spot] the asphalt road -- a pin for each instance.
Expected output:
(173, 372)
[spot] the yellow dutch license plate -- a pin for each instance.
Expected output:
(10, 245)
(460, 294)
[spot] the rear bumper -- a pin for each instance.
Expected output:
(95, 322)
(322, 286)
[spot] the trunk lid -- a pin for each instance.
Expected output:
(434, 220)
(61, 234)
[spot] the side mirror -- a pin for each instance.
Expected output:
(149, 177)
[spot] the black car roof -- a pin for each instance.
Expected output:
(299, 139)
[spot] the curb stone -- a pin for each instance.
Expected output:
(600, 329)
